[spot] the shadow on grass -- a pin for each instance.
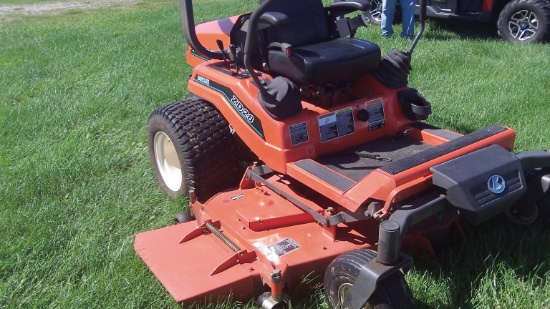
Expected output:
(477, 270)
(445, 29)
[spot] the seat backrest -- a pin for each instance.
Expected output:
(307, 23)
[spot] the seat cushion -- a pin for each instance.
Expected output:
(327, 62)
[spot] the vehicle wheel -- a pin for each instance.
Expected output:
(183, 217)
(523, 218)
(544, 208)
(191, 148)
(525, 21)
(392, 292)
(265, 301)
(374, 14)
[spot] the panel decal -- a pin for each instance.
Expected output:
(251, 119)
(237, 197)
(298, 133)
(278, 249)
(377, 119)
(284, 246)
(336, 124)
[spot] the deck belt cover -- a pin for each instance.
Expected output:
(441, 150)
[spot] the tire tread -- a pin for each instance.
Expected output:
(204, 143)
(392, 292)
(511, 7)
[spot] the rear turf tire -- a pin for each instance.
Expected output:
(525, 21)
(392, 292)
(192, 148)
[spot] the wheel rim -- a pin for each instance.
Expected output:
(168, 163)
(376, 10)
(523, 25)
(343, 291)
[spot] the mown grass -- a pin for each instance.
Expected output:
(76, 183)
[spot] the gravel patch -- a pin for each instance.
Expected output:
(10, 11)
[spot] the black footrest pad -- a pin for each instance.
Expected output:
(441, 150)
(326, 174)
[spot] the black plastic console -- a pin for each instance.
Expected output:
(481, 184)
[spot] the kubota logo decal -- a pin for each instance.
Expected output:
(203, 80)
(496, 184)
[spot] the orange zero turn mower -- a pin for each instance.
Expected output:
(305, 154)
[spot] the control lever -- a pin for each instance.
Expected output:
(233, 56)
(220, 46)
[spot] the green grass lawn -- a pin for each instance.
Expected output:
(76, 183)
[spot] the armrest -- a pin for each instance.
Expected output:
(269, 19)
(345, 7)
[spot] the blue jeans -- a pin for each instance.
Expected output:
(388, 11)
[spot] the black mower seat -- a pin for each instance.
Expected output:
(303, 49)
(327, 62)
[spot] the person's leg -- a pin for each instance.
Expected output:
(407, 9)
(388, 10)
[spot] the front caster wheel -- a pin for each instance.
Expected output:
(183, 217)
(523, 218)
(544, 206)
(535, 202)
(266, 301)
(392, 292)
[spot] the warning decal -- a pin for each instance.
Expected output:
(278, 249)
(336, 124)
(298, 133)
(376, 116)
(284, 246)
